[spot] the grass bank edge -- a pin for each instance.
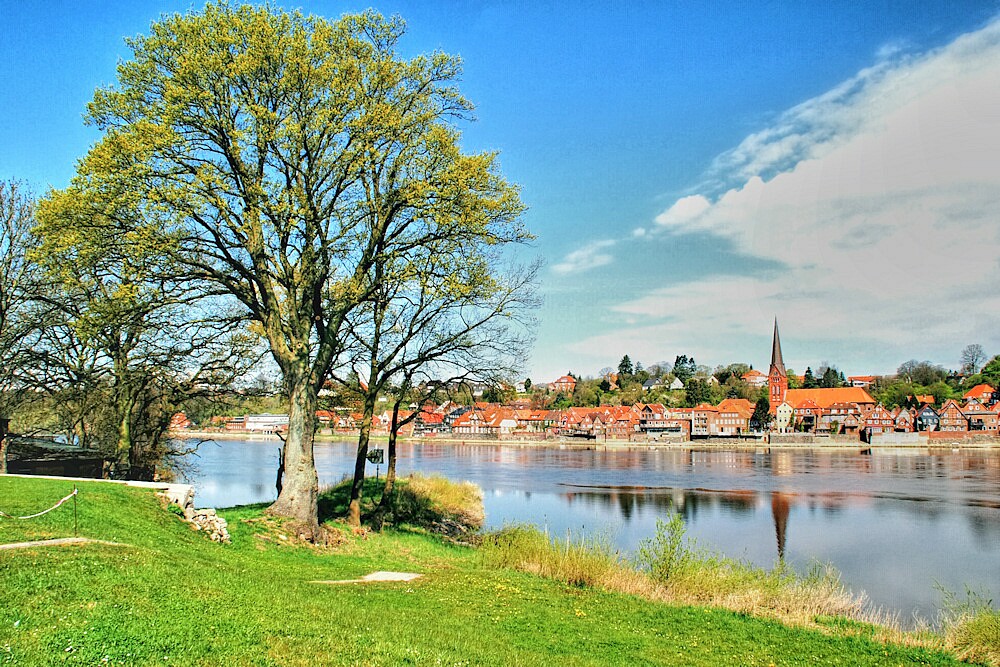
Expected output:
(669, 572)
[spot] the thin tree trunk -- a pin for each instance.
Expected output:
(300, 484)
(357, 486)
(386, 504)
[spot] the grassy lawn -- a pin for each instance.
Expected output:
(169, 596)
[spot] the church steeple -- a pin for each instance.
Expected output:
(776, 360)
(777, 377)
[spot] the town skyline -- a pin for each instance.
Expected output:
(690, 173)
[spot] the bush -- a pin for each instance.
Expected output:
(666, 552)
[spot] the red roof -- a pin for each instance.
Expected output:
(980, 391)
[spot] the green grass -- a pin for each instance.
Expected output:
(172, 597)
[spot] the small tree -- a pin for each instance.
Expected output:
(624, 368)
(761, 418)
(684, 368)
(973, 357)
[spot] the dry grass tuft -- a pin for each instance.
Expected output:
(460, 502)
(683, 576)
(972, 627)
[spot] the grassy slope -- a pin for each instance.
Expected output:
(173, 597)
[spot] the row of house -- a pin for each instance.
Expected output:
(828, 411)
(845, 410)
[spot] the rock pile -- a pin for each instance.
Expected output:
(207, 520)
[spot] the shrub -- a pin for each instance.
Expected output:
(666, 552)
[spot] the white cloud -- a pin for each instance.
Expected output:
(864, 104)
(588, 257)
(878, 199)
(684, 212)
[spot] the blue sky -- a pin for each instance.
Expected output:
(692, 172)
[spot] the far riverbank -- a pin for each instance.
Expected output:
(778, 441)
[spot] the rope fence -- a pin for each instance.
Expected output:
(43, 512)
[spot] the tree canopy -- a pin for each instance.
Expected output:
(285, 159)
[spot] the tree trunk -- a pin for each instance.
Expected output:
(300, 484)
(386, 504)
(357, 486)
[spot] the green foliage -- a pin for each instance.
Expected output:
(831, 378)
(696, 391)
(684, 368)
(808, 380)
(991, 372)
(793, 379)
(625, 367)
(762, 417)
(724, 373)
(667, 552)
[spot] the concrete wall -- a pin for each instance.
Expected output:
(899, 439)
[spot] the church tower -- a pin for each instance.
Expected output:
(777, 378)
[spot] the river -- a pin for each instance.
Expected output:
(897, 524)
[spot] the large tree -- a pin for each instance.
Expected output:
(17, 279)
(290, 154)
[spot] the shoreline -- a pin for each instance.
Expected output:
(614, 445)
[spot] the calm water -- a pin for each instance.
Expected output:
(893, 523)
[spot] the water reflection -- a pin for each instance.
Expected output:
(893, 523)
